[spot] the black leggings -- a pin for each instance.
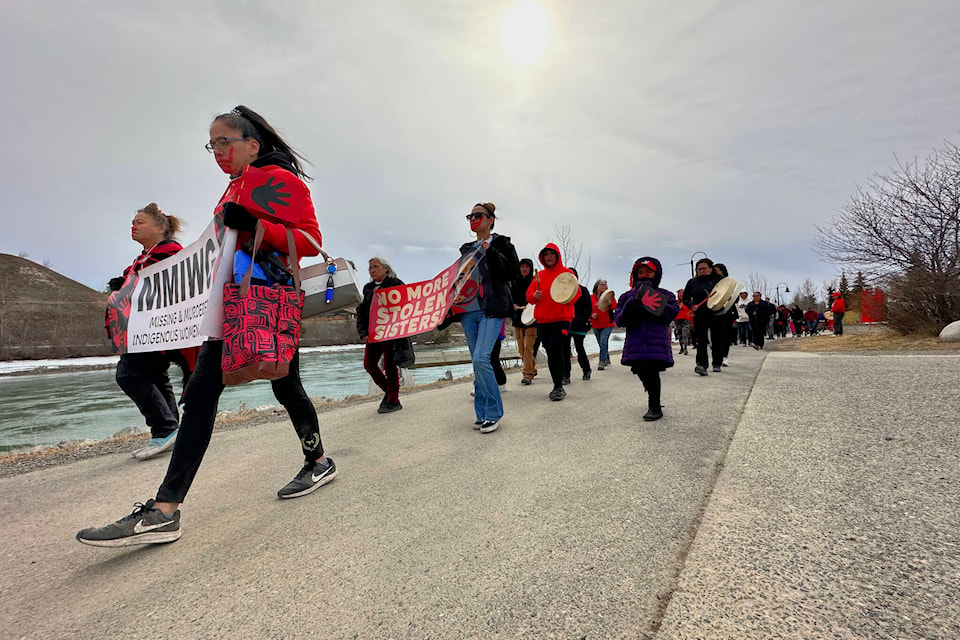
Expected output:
(498, 371)
(651, 383)
(553, 336)
(582, 358)
(717, 326)
(200, 400)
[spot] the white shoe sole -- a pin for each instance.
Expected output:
(151, 537)
(324, 480)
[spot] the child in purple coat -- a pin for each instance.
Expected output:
(646, 312)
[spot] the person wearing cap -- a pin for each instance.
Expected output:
(706, 321)
(839, 307)
(525, 335)
(646, 317)
(760, 311)
(602, 322)
(553, 318)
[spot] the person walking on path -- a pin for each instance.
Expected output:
(238, 139)
(143, 376)
(706, 321)
(579, 327)
(553, 318)
(744, 334)
(382, 276)
(646, 348)
(525, 335)
(602, 323)
(683, 325)
(484, 307)
(839, 308)
(760, 312)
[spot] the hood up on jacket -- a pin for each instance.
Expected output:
(651, 262)
(551, 247)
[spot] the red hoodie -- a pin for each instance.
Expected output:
(546, 309)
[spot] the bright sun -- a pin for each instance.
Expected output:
(523, 33)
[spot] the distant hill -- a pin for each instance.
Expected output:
(44, 314)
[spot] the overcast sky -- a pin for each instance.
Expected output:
(661, 128)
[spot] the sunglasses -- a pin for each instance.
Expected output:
(476, 215)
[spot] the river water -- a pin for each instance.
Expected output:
(57, 402)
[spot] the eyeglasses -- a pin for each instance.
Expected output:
(221, 143)
(476, 215)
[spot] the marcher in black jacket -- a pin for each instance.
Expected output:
(382, 276)
(759, 311)
(525, 335)
(705, 319)
(579, 328)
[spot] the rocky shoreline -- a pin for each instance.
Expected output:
(17, 463)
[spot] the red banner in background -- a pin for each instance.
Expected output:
(409, 309)
(873, 305)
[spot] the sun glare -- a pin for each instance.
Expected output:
(523, 33)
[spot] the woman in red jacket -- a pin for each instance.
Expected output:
(143, 376)
(602, 323)
(553, 318)
(238, 139)
(838, 308)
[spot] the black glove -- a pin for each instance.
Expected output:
(237, 217)
(116, 284)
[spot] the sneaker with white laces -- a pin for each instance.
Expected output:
(146, 525)
(312, 476)
(478, 424)
(156, 446)
(489, 425)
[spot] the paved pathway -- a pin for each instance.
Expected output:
(826, 486)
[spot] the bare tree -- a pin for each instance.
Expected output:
(805, 296)
(757, 282)
(906, 222)
(571, 251)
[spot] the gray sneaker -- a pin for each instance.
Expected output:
(146, 525)
(311, 477)
(156, 446)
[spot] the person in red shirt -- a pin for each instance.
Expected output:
(553, 318)
(602, 322)
(682, 324)
(838, 308)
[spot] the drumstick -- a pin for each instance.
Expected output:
(700, 304)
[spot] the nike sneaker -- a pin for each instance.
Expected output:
(313, 476)
(146, 525)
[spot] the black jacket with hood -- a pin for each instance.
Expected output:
(518, 291)
(498, 269)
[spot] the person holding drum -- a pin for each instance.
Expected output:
(239, 139)
(604, 306)
(706, 320)
(646, 312)
(382, 276)
(493, 264)
(525, 333)
(554, 291)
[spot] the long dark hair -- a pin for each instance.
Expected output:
(253, 126)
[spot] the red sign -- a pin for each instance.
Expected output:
(409, 309)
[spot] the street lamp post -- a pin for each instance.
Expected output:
(692, 271)
(786, 289)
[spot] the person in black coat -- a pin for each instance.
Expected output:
(760, 312)
(525, 335)
(579, 328)
(705, 319)
(382, 276)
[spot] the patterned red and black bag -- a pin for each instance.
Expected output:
(261, 324)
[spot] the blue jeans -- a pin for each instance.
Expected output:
(603, 339)
(482, 333)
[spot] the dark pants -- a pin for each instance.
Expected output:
(143, 377)
(838, 323)
(388, 379)
(716, 326)
(553, 336)
(582, 358)
(759, 331)
(200, 400)
(651, 383)
(498, 371)
(743, 332)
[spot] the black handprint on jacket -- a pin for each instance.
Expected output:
(268, 194)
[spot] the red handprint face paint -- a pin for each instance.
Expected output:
(475, 223)
(225, 161)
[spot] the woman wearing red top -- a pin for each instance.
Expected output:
(553, 318)
(238, 139)
(682, 324)
(602, 322)
(838, 308)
